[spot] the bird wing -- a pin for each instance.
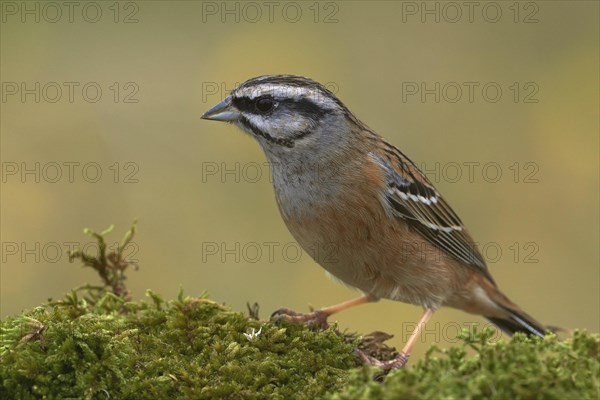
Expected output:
(412, 197)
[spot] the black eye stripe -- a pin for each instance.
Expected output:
(302, 106)
(243, 104)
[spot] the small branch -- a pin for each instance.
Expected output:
(111, 266)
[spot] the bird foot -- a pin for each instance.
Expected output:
(315, 319)
(395, 363)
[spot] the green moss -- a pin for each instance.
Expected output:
(196, 348)
(188, 348)
(96, 344)
(523, 368)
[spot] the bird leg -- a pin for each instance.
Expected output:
(401, 360)
(319, 317)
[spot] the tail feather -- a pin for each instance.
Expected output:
(518, 323)
(516, 320)
(512, 319)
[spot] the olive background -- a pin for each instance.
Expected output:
(522, 172)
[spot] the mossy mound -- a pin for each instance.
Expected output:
(194, 348)
(522, 368)
(187, 349)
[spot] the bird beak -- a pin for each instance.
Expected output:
(224, 111)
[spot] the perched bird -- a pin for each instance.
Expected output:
(362, 209)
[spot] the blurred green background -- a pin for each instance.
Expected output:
(207, 215)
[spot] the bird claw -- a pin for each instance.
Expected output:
(313, 319)
(395, 363)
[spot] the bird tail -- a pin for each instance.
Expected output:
(518, 322)
(513, 319)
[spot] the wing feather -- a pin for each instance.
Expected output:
(412, 197)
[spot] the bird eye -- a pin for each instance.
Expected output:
(265, 104)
